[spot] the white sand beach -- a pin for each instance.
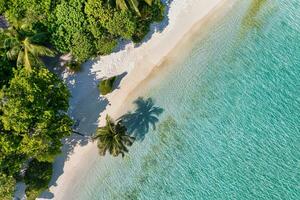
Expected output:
(135, 64)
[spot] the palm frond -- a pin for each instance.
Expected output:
(26, 60)
(38, 50)
(134, 4)
(112, 138)
(149, 2)
(13, 53)
(121, 4)
(20, 58)
(39, 37)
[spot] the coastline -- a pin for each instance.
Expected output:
(185, 18)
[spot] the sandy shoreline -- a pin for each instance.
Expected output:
(137, 63)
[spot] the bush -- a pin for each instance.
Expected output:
(37, 178)
(73, 66)
(35, 112)
(106, 86)
(7, 186)
(154, 13)
(3, 6)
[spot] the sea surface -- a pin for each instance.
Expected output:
(227, 117)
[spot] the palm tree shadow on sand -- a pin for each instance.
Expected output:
(145, 116)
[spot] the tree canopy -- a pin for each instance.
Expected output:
(87, 28)
(33, 120)
(34, 108)
(7, 186)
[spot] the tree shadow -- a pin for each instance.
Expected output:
(86, 105)
(122, 45)
(3, 22)
(118, 80)
(47, 195)
(145, 116)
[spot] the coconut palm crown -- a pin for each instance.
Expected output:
(22, 44)
(113, 138)
(131, 4)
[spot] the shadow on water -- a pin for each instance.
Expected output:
(145, 116)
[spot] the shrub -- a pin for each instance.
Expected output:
(35, 112)
(73, 66)
(3, 6)
(149, 14)
(106, 86)
(37, 178)
(7, 186)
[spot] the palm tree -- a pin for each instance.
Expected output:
(133, 4)
(21, 45)
(113, 138)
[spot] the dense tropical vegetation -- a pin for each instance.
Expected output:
(33, 121)
(86, 28)
(33, 100)
(7, 184)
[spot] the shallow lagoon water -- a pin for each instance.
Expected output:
(231, 122)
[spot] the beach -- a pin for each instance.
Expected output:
(134, 64)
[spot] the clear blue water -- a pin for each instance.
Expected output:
(231, 122)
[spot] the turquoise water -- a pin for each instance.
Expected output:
(231, 122)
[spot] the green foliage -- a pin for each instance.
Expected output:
(21, 44)
(73, 66)
(113, 138)
(7, 187)
(87, 27)
(153, 13)
(10, 159)
(132, 4)
(82, 48)
(3, 5)
(33, 121)
(34, 108)
(69, 32)
(37, 178)
(106, 86)
(33, 11)
(105, 44)
(6, 70)
(118, 23)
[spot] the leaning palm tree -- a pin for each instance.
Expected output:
(23, 46)
(113, 138)
(133, 4)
